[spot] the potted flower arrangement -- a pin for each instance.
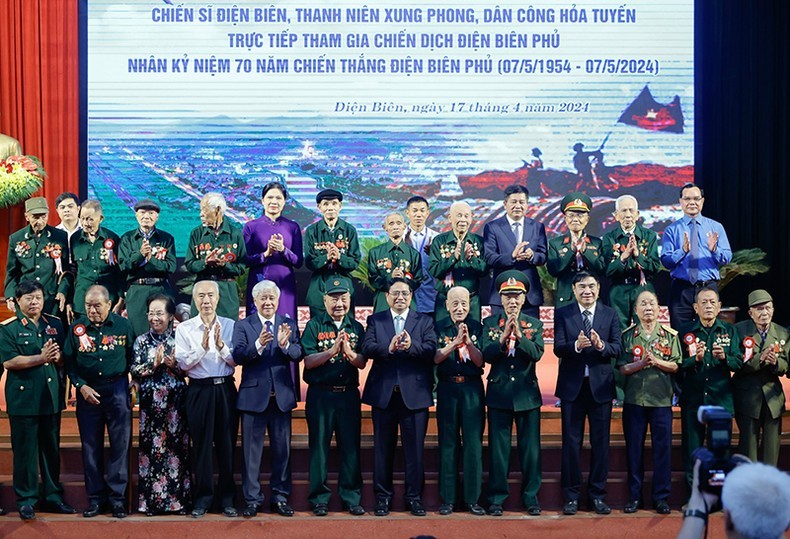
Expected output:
(20, 177)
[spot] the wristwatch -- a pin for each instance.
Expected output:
(696, 513)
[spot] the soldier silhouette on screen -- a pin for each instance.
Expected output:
(581, 162)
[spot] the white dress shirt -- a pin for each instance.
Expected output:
(258, 346)
(194, 359)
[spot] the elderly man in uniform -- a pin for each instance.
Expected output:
(402, 345)
(332, 363)
(30, 349)
(148, 258)
(265, 345)
(393, 258)
(460, 406)
(513, 344)
(759, 398)
(575, 250)
(712, 350)
(39, 252)
(203, 352)
(693, 248)
(420, 237)
(458, 259)
(516, 242)
(216, 252)
(331, 248)
(98, 354)
(94, 256)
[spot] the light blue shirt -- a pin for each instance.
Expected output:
(677, 261)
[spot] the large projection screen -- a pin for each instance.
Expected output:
(385, 100)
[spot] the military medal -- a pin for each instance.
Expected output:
(691, 343)
(230, 257)
(638, 352)
(748, 347)
(109, 245)
(86, 343)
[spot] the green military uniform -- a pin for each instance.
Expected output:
(759, 398)
(382, 260)
(203, 240)
(35, 398)
(460, 416)
(333, 405)
(145, 278)
(108, 355)
(650, 387)
(706, 382)
(513, 394)
(34, 257)
(630, 279)
(449, 271)
(562, 263)
(344, 236)
(95, 263)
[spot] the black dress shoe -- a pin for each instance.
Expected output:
(198, 512)
(230, 512)
(662, 507)
(62, 508)
(93, 510)
(356, 510)
(631, 507)
(320, 510)
(533, 510)
(119, 511)
(416, 508)
(495, 510)
(2, 511)
(476, 509)
(150, 513)
(250, 511)
(600, 507)
(382, 507)
(570, 508)
(26, 512)
(282, 508)
(446, 509)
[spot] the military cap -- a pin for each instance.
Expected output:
(36, 205)
(758, 297)
(512, 281)
(338, 285)
(329, 194)
(147, 204)
(576, 202)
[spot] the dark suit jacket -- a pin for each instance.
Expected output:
(412, 369)
(259, 371)
(499, 242)
(567, 325)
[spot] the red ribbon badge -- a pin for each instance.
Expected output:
(85, 342)
(691, 343)
(109, 245)
(638, 352)
(748, 346)
(55, 255)
(230, 257)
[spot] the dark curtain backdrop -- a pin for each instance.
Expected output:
(741, 120)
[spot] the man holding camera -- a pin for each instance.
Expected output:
(711, 351)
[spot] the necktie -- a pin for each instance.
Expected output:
(517, 232)
(587, 319)
(398, 324)
(268, 326)
(694, 252)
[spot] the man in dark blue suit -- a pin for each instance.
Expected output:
(516, 242)
(586, 339)
(402, 343)
(265, 344)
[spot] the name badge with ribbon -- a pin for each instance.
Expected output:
(511, 345)
(463, 351)
(230, 257)
(638, 352)
(55, 254)
(691, 343)
(748, 348)
(86, 343)
(448, 280)
(109, 245)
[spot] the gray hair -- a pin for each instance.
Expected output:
(265, 286)
(213, 285)
(93, 204)
(757, 498)
(100, 290)
(215, 200)
(622, 199)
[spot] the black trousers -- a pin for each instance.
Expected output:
(253, 431)
(574, 414)
(413, 427)
(635, 422)
(212, 419)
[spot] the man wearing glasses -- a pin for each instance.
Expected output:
(693, 249)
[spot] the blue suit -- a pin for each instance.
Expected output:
(499, 243)
(266, 398)
(399, 388)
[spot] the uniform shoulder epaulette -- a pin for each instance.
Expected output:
(629, 328)
(8, 321)
(669, 329)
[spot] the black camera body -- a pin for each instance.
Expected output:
(714, 456)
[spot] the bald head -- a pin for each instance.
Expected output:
(458, 303)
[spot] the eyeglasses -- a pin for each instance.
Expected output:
(400, 293)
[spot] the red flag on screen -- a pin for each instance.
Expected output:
(647, 113)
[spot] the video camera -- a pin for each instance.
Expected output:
(714, 456)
